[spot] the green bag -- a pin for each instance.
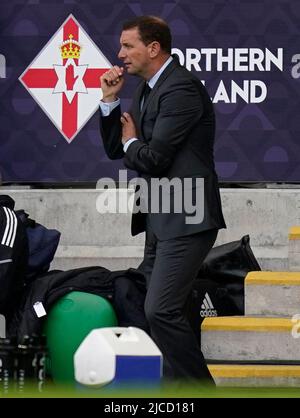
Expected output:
(69, 321)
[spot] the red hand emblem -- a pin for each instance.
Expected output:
(70, 79)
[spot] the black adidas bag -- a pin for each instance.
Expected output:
(219, 287)
(13, 257)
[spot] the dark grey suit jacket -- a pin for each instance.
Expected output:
(176, 129)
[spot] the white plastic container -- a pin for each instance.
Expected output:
(119, 355)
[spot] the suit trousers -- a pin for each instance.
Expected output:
(170, 267)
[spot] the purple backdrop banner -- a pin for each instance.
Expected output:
(247, 53)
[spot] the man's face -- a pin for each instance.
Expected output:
(134, 53)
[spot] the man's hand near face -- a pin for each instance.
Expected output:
(111, 83)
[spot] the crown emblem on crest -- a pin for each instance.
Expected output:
(70, 49)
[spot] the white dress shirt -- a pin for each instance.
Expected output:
(107, 108)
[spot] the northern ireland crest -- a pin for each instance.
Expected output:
(64, 78)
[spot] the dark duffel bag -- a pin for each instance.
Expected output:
(42, 245)
(219, 287)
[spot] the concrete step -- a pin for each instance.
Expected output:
(272, 293)
(272, 258)
(69, 257)
(75, 213)
(116, 257)
(250, 375)
(294, 248)
(250, 339)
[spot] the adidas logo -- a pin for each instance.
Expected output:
(207, 308)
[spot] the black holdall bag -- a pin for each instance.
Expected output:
(42, 245)
(219, 287)
(13, 257)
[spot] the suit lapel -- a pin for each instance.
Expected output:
(170, 68)
(136, 112)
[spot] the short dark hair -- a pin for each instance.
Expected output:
(152, 28)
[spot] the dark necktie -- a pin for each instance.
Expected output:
(146, 92)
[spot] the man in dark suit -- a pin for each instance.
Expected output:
(168, 135)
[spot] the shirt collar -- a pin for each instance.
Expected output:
(156, 76)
